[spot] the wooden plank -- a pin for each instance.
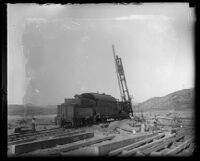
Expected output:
(33, 132)
(133, 151)
(43, 133)
(166, 150)
(191, 148)
(188, 151)
(185, 154)
(165, 118)
(155, 154)
(180, 147)
(161, 145)
(127, 130)
(69, 133)
(139, 154)
(171, 118)
(106, 148)
(21, 141)
(134, 145)
(77, 145)
(41, 144)
(35, 137)
(161, 153)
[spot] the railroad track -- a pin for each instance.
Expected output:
(45, 136)
(23, 136)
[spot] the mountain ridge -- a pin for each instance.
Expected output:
(178, 100)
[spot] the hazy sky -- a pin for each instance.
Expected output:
(57, 51)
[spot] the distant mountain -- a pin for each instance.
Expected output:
(30, 109)
(179, 100)
(135, 103)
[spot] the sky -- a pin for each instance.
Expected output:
(57, 51)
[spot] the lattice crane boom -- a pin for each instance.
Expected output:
(124, 93)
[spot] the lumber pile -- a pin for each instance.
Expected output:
(134, 145)
(41, 144)
(34, 137)
(106, 148)
(158, 145)
(74, 146)
(146, 146)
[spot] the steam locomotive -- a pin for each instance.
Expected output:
(90, 108)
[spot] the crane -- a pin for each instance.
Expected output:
(124, 93)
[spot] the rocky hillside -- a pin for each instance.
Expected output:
(179, 100)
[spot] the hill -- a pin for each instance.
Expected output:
(180, 101)
(14, 109)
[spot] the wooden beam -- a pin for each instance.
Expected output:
(127, 130)
(161, 145)
(21, 141)
(139, 154)
(185, 154)
(34, 135)
(134, 145)
(41, 144)
(155, 154)
(165, 118)
(188, 151)
(29, 139)
(69, 133)
(106, 148)
(180, 147)
(15, 135)
(133, 151)
(76, 146)
(191, 148)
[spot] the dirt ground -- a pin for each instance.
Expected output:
(42, 122)
(47, 121)
(120, 129)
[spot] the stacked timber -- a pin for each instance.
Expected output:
(47, 143)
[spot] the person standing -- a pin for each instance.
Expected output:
(33, 124)
(61, 122)
(142, 127)
(131, 116)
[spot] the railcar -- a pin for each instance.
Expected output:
(90, 108)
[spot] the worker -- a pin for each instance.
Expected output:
(147, 125)
(133, 131)
(98, 117)
(155, 122)
(131, 116)
(142, 127)
(33, 124)
(95, 116)
(62, 122)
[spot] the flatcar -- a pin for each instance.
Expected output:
(90, 108)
